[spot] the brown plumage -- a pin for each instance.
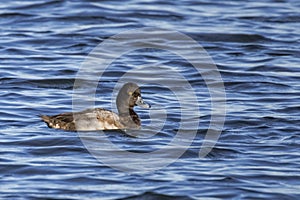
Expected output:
(102, 119)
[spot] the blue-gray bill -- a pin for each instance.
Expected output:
(140, 102)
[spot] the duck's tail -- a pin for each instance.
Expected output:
(46, 119)
(62, 121)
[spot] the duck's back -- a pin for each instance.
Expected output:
(87, 120)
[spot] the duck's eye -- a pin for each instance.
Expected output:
(136, 95)
(130, 93)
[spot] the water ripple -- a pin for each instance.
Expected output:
(255, 46)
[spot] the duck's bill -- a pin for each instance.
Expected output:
(140, 102)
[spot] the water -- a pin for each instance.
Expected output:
(256, 48)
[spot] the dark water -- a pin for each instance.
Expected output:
(256, 48)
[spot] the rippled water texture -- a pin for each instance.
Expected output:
(255, 45)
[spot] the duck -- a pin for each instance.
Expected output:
(95, 119)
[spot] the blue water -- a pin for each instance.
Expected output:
(255, 45)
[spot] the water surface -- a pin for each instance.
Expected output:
(256, 48)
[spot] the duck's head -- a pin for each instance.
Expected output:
(128, 97)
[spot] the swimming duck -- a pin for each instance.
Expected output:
(102, 119)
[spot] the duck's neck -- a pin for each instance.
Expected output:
(130, 119)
